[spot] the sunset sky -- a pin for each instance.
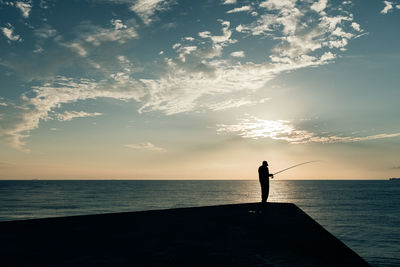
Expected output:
(164, 89)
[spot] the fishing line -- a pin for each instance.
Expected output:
(294, 166)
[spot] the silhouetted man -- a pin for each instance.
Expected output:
(263, 175)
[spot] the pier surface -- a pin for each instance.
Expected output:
(275, 234)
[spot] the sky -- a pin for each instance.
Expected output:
(171, 89)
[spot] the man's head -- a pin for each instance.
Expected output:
(265, 163)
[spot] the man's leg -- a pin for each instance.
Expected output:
(264, 192)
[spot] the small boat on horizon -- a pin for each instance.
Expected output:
(394, 179)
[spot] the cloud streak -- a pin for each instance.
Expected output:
(146, 9)
(24, 7)
(94, 36)
(238, 54)
(283, 130)
(388, 6)
(70, 115)
(51, 96)
(234, 103)
(239, 9)
(229, 2)
(9, 33)
(146, 146)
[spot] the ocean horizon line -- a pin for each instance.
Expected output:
(192, 179)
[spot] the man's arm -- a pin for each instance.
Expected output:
(270, 175)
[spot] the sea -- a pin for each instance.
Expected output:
(364, 214)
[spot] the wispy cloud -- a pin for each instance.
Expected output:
(25, 7)
(283, 20)
(183, 90)
(238, 54)
(119, 32)
(146, 146)
(147, 8)
(356, 26)
(278, 4)
(9, 33)
(229, 2)
(2, 103)
(388, 6)
(94, 36)
(50, 96)
(70, 115)
(256, 128)
(319, 6)
(45, 32)
(44, 4)
(77, 48)
(87, 47)
(218, 41)
(234, 103)
(239, 9)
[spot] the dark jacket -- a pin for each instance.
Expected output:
(263, 173)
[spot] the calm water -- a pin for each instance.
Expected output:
(365, 215)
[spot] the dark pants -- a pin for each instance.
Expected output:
(264, 190)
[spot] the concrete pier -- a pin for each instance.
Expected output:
(275, 234)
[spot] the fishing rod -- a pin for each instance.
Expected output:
(294, 166)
